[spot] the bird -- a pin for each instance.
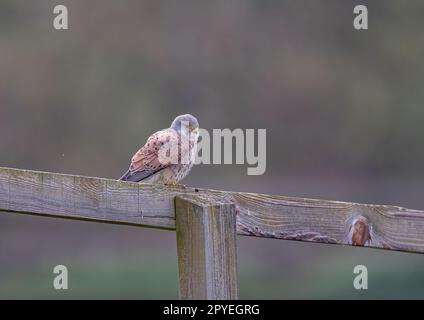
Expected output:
(168, 155)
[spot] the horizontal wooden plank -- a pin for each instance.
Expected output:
(84, 198)
(260, 215)
(377, 226)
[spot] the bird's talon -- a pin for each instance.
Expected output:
(171, 184)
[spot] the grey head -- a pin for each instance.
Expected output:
(185, 123)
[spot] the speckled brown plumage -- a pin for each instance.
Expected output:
(147, 165)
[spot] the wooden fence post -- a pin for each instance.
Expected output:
(206, 244)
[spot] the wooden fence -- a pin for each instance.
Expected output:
(208, 221)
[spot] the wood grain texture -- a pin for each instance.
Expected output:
(206, 245)
(84, 198)
(260, 215)
(377, 226)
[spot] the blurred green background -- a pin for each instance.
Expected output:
(342, 108)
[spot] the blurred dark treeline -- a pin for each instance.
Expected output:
(333, 99)
(342, 108)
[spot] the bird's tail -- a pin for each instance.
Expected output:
(137, 176)
(125, 176)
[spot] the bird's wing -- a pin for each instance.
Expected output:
(147, 160)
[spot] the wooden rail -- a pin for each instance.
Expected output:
(279, 217)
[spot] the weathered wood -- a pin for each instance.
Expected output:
(84, 198)
(279, 217)
(377, 226)
(206, 245)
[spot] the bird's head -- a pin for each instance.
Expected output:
(186, 124)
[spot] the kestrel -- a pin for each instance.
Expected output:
(168, 155)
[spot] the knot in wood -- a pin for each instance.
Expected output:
(359, 231)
